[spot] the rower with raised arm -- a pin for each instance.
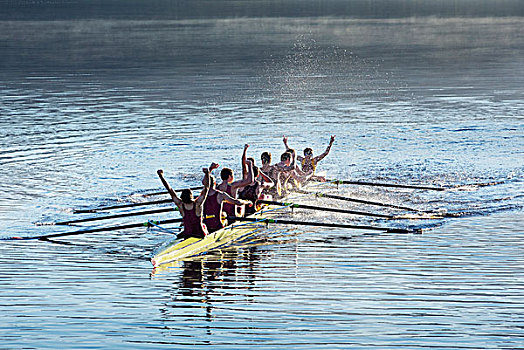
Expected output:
(253, 192)
(231, 187)
(287, 176)
(298, 174)
(213, 206)
(267, 168)
(273, 173)
(309, 162)
(191, 209)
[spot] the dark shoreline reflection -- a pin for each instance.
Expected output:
(169, 9)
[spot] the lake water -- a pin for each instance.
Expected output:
(95, 97)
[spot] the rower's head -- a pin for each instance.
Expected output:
(187, 196)
(292, 152)
(252, 160)
(308, 152)
(227, 175)
(266, 158)
(286, 158)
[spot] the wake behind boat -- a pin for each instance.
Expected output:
(202, 218)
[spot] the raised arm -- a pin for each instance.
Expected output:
(296, 157)
(213, 166)
(285, 142)
(326, 152)
(206, 182)
(248, 180)
(175, 198)
(244, 161)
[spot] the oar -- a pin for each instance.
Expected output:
(356, 200)
(121, 206)
(324, 224)
(335, 210)
(381, 184)
(131, 205)
(417, 187)
(94, 230)
(432, 214)
(165, 192)
(107, 217)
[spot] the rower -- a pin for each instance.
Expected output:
(231, 187)
(214, 206)
(299, 174)
(191, 209)
(253, 192)
(286, 172)
(309, 163)
(267, 168)
(262, 177)
(274, 175)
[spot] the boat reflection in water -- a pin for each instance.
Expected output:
(208, 280)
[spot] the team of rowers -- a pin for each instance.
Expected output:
(231, 198)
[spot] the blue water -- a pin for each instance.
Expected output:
(93, 105)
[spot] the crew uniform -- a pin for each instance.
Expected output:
(193, 226)
(212, 212)
(250, 193)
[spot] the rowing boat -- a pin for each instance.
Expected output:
(178, 249)
(190, 247)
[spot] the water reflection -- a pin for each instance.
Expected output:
(210, 279)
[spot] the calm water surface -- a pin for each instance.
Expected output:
(91, 107)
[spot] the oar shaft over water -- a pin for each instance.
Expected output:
(131, 205)
(362, 201)
(381, 184)
(115, 216)
(95, 230)
(325, 224)
(165, 192)
(122, 206)
(335, 210)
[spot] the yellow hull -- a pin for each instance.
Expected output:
(191, 247)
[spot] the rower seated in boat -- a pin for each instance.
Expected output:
(191, 209)
(231, 187)
(272, 173)
(289, 176)
(309, 162)
(213, 206)
(253, 192)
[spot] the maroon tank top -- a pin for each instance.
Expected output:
(214, 209)
(250, 193)
(193, 226)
